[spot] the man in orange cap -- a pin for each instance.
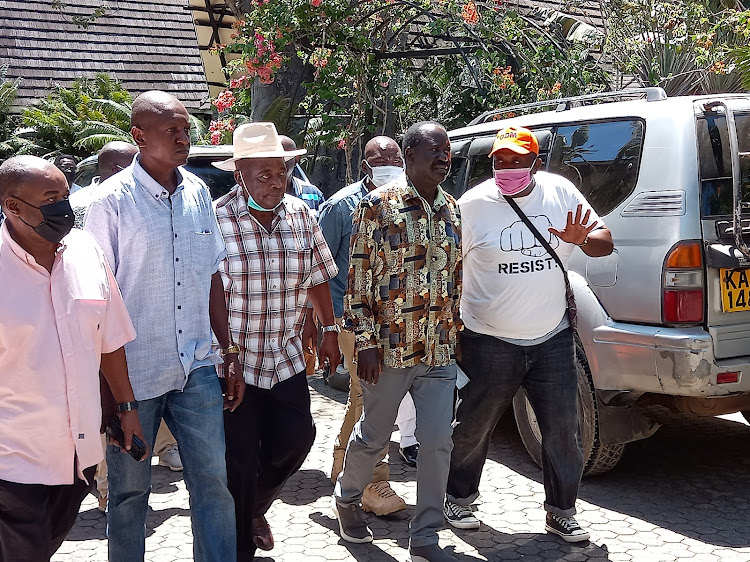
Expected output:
(519, 229)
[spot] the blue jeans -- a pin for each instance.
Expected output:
(194, 415)
(496, 370)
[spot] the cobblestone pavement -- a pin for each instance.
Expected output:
(683, 494)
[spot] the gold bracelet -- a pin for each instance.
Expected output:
(233, 348)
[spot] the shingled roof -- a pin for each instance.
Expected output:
(145, 44)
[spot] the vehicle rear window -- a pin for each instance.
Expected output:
(715, 163)
(218, 181)
(600, 158)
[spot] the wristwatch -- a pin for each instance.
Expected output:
(233, 348)
(332, 328)
(127, 406)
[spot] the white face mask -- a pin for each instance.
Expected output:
(381, 175)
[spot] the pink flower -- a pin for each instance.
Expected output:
(342, 144)
(216, 137)
(224, 101)
(316, 3)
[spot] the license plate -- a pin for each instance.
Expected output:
(735, 289)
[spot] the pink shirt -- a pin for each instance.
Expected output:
(53, 330)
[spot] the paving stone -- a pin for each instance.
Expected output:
(682, 495)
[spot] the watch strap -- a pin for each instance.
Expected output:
(127, 406)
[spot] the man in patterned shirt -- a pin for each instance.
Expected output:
(277, 258)
(402, 304)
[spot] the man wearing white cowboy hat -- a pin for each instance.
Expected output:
(277, 259)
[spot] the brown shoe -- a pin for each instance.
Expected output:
(338, 466)
(261, 533)
(380, 499)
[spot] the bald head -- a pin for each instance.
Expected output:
(161, 129)
(381, 151)
(288, 144)
(115, 156)
(20, 174)
(153, 103)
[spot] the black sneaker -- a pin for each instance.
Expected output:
(409, 454)
(567, 527)
(352, 526)
(430, 553)
(460, 516)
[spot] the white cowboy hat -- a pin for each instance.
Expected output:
(256, 140)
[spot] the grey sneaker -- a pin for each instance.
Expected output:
(567, 527)
(352, 526)
(430, 553)
(460, 516)
(170, 457)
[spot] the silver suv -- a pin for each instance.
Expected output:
(665, 319)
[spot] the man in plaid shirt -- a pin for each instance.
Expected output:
(277, 259)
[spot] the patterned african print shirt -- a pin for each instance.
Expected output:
(405, 276)
(266, 276)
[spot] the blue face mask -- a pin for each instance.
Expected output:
(251, 202)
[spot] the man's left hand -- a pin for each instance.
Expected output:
(576, 230)
(329, 350)
(234, 380)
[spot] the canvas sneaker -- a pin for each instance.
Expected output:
(352, 526)
(567, 527)
(460, 516)
(170, 457)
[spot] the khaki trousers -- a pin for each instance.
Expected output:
(354, 409)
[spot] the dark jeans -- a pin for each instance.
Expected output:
(35, 518)
(268, 437)
(497, 369)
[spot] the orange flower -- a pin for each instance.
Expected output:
(469, 13)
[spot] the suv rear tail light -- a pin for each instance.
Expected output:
(683, 295)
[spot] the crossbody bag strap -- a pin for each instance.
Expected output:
(538, 235)
(569, 296)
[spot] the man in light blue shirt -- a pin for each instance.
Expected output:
(157, 227)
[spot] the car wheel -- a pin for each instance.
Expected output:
(598, 457)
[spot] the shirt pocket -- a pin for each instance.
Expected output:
(202, 249)
(297, 267)
(90, 313)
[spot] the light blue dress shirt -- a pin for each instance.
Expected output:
(335, 219)
(163, 251)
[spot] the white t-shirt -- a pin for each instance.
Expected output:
(512, 288)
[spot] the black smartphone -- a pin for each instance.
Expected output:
(114, 430)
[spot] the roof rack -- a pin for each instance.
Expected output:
(562, 104)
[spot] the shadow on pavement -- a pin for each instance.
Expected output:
(363, 552)
(494, 545)
(692, 477)
(91, 524)
(305, 487)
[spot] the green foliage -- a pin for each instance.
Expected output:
(8, 91)
(78, 120)
(684, 47)
(359, 87)
(82, 21)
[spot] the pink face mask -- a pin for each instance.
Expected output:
(513, 181)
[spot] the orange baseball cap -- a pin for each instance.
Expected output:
(518, 139)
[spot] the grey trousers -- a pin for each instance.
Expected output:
(432, 390)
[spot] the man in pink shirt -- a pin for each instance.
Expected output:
(61, 317)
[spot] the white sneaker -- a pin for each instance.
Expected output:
(170, 457)
(460, 516)
(566, 527)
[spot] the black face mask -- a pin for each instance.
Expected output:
(57, 220)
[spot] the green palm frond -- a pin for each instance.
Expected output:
(115, 112)
(741, 57)
(198, 130)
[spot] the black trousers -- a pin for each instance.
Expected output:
(268, 438)
(35, 518)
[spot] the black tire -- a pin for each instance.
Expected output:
(598, 457)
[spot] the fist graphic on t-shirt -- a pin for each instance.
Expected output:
(518, 238)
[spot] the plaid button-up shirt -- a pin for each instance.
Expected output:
(405, 276)
(266, 276)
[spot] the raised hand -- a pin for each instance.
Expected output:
(575, 231)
